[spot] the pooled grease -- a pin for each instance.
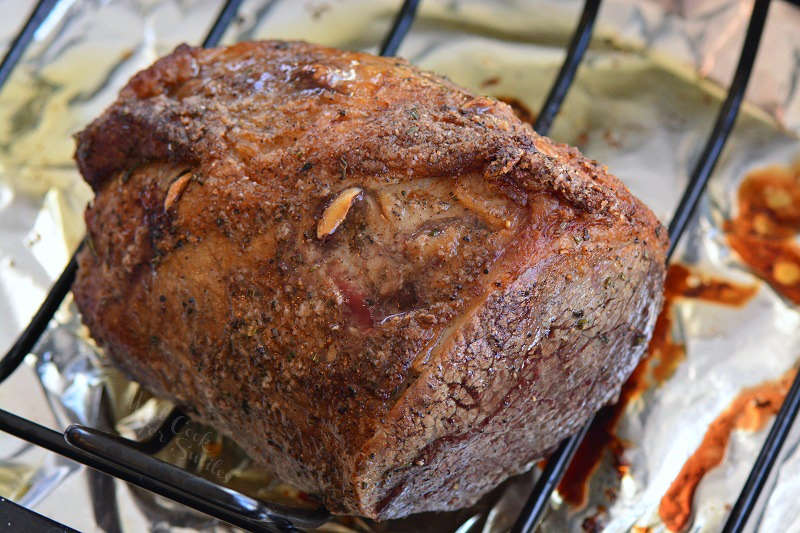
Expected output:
(749, 411)
(764, 229)
(763, 235)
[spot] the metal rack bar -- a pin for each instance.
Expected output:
(565, 77)
(27, 339)
(559, 461)
(14, 517)
(722, 127)
(224, 19)
(169, 481)
(24, 38)
(400, 26)
(547, 482)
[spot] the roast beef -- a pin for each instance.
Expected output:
(387, 289)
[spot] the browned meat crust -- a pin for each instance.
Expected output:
(471, 303)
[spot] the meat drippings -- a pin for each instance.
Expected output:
(662, 358)
(764, 229)
(749, 411)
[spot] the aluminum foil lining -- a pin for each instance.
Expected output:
(642, 103)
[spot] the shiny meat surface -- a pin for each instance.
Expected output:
(389, 290)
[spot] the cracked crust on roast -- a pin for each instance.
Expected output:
(482, 293)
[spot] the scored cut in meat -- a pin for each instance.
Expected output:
(390, 291)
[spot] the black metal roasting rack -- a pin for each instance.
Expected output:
(133, 462)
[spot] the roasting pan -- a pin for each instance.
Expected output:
(96, 442)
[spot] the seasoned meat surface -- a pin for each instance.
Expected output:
(389, 290)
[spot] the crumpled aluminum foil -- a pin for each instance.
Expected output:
(643, 103)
